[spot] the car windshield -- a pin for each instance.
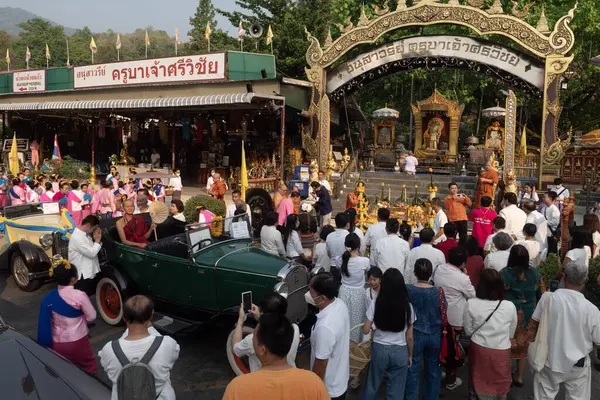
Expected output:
(26, 210)
(204, 234)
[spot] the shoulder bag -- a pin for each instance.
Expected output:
(537, 353)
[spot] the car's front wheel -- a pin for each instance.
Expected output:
(109, 300)
(239, 365)
(20, 274)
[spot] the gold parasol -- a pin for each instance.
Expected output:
(159, 212)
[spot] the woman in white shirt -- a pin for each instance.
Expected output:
(581, 247)
(320, 254)
(592, 223)
(533, 246)
(291, 239)
(528, 194)
(177, 209)
(374, 278)
(497, 260)
(271, 240)
(491, 322)
(392, 317)
(352, 291)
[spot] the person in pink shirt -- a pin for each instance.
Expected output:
(286, 207)
(483, 218)
(86, 204)
(64, 315)
(131, 190)
(55, 184)
(61, 196)
(115, 181)
(106, 200)
(16, 193)
(74, 200)
(47, 196)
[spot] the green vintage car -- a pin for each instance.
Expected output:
(194, 274)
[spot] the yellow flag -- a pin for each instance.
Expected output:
(13, 157)
(147, 38)
(243, 174)
(269, 35)
(523, 144)
(7, 56)
(93, 46)
(207, 32)
(47, 51)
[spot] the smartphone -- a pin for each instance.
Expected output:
(554, 285)
(247, 301)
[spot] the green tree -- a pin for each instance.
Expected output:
(36, 34)
(219, 40)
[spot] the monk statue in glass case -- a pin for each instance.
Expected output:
(494, 136)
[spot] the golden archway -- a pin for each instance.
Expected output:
(553, 47)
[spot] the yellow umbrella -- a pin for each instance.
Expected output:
(14, 157)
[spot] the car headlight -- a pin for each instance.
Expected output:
(46, 240)
(282, 289)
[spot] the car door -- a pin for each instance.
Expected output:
(179, 280)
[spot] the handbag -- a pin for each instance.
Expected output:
(537, 353)
(452, 353)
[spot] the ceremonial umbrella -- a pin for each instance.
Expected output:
(159, 212)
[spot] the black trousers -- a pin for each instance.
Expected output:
(461, 227)
(87, 285)
(552, 245)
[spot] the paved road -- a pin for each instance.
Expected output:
(202, 371)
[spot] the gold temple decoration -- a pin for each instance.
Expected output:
(542, 24)
(518, 13)
(554, 49)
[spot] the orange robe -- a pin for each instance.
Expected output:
(351, 201)
(486, 189)
(218, 190)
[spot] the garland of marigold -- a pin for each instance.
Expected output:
(56, 263)
(216, 226)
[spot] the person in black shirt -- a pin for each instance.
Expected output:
(323, 203)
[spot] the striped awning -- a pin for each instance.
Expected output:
(169, 102)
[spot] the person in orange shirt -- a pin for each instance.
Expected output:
(456, 208)
(279, 195)
(276, 380)
(219, 188)
(352, 200)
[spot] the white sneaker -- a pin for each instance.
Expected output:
(443, 375)
(455, 385)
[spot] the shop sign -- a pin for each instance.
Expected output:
(22, 145)
(29, 81)
(205, 67)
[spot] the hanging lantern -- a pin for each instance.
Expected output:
(163, 131)
(134, 130)
(101, 128)
(185, 128)
(213, 127)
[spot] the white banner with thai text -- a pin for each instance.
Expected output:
(205, 67)
(29, 81)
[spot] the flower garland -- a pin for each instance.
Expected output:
(216, 227)
(56, 263)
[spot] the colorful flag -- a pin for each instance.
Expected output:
(207, 32)
(269, 35)
(56, 152)
(241, 32)
(47, 51)
(243, 174)
(13, 157)
(93, 47)
(147, 38)
(118, 44)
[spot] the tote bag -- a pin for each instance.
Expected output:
(537, 354)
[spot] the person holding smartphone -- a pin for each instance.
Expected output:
(242, 346)
(456, 208)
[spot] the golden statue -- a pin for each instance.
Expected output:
(314, 171)
(331, 166)
(433, 133)
(511, 182)
(125, 159)
(345, 159)
(494, 136)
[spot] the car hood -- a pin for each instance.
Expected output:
(253, 259)
(30, 371)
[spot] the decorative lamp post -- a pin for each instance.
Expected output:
(432, 188)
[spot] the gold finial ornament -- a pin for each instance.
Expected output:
(401, 5)
(542, 25)
(381, 11)
(363, 20)
(518, 13)
(328, 40)
(496, 8)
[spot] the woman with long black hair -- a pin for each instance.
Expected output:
(392, 349)
(352, 291)
(291, 240)
(351, 213)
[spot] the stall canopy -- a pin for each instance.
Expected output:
(122, 104)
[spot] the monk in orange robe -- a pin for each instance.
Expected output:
(351, 201)
(487, 180)
(218, 188)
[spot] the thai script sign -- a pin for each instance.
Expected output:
(22, 145)
(440, 46)
(205, 67)
(29, 81)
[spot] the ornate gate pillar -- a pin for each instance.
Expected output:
(510, 132)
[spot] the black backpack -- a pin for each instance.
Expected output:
(136, 380)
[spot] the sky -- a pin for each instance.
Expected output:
(122, 15)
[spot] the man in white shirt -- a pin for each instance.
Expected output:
(391, 251)
(236, 196)
(573, 330)
(330, 339)
(562, 193)
(425, 250)
(175, 182)
(410, 164)
(515, 217)
(498, 259)
(155, 159)
(453, 278)
(439, 221)
(536, 218)
(137, 313)
(324, 182)
(335, 244)
(376, 232)
(552, 215)
(499, 226)
(84, 246)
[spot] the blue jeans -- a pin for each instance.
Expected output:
(427, 348)
(389, 359)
